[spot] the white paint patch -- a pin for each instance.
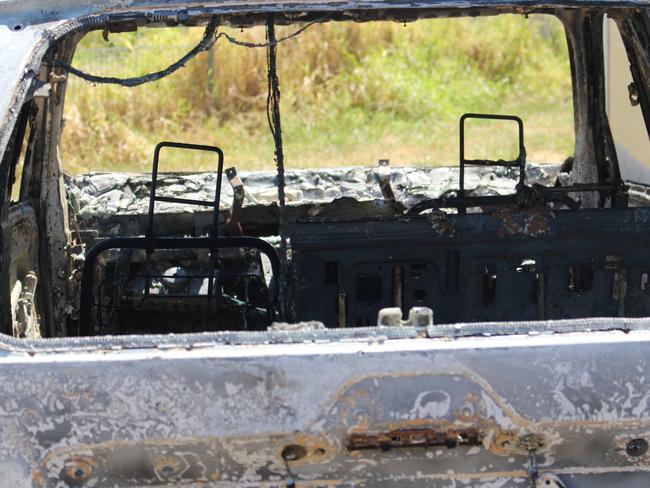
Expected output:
(494, 411)
(431, 404)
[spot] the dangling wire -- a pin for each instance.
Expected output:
(275, 124)
(207, 41)
(210, 37)
(276, 41)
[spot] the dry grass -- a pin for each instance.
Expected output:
(351, 94)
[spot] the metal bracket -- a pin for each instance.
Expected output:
(524, 196)
(238, 194)
(153, 198)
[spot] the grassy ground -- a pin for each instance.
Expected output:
(351, 94)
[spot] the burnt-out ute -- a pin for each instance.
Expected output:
(483, 324)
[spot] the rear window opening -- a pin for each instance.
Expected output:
(431, 173)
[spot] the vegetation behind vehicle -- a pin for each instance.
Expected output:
(351, 94)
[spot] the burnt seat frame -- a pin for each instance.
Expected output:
(519, 162)
(524, 196)
(150, 243)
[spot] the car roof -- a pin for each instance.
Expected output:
(26, 12)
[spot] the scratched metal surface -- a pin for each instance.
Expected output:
(220, 415)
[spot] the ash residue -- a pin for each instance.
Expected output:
(97, 196)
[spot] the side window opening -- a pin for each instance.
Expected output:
(20, 266)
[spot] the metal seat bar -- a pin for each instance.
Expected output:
(186, 201)
(519, 162)
(153, 197)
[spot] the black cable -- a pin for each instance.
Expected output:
(210, 37)
(275, 124)
(275, 42)
(207, 41)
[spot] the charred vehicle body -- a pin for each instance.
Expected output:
(482, 325)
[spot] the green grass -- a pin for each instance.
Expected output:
(351, 94)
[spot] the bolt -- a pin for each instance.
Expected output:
(636, 447)
(77, 470)
(293, 452)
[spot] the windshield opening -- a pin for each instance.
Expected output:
(352, 94)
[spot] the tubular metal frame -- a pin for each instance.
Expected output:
(150, 243)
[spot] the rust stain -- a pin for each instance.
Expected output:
(37, 476)
(418, 423)
(530, 222)
(532, 442)
(507, 220)
(441, 224)
(169, 462)
(167, 467)
(319, 449)
(77, 469)
(453, 437)
(537, 221)
(470, 412)
(504, 442)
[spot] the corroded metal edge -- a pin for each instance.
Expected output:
(362, 334)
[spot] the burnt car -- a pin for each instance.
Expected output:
(359, 327)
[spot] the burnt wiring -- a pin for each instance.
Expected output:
(209, 39)
(275, 125)
(275, 42)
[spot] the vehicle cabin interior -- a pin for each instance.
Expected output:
(571, 246)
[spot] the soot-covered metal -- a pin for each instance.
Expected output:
(429, 333)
